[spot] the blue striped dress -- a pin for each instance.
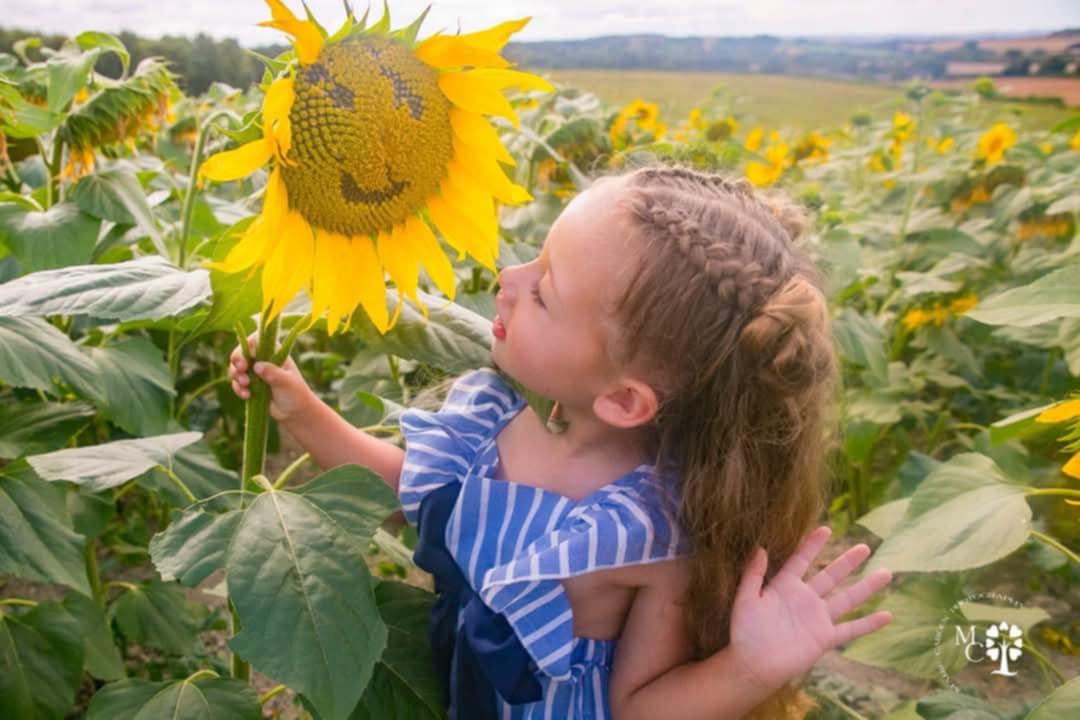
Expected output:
(513, 542)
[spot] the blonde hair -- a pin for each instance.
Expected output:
(727, 317)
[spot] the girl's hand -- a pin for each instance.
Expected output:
(781, 632)
(290, 395)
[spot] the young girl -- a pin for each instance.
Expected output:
(686, 343)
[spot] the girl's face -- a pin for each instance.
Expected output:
(557, 309)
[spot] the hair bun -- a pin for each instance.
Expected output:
(791, 216)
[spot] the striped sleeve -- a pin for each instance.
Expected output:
(618, 530)
(441, 446)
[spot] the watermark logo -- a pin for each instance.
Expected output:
(1000, 643)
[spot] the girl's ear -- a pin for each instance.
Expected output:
(630, 404)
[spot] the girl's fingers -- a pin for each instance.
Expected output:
(804, 556)
(832, 575)
(846, 600)
(846, 632)
(240, 391)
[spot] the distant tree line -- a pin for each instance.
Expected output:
(202, 60)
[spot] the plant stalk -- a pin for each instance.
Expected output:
(90, 559)
(1056, 545)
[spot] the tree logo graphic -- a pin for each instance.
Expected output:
(1004, 643)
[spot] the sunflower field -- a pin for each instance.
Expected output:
(162, 554)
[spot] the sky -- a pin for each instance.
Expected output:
(559, 19)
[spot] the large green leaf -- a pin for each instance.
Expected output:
(964, 515)
(1054, 296)
(883, 519)
(69, 71)
(194, 545)
(116, 195)
(297, 577)
(41, 659)
(41, 426)
(1062, 703)
(454, 338)
(60, 236)
(158, 614)
(354, 497)
(101, 657)
(136, 385)
(92, 39)
(98, 467)
(404, 684)
(148, 288)
(910, 642)
(36, 538)
(195, 698)
(33, 352)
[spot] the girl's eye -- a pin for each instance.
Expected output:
(536, 296)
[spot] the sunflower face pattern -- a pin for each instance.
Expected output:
(371, 137)
(378, 149)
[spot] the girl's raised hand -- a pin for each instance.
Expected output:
(781, 631)
(290, 394)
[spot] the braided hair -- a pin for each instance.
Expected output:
(725, 314)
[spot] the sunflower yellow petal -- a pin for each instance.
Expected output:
(276, 106)
(368, 288)
(1072, 468)
(459, 231)
(478, 135)
(494, 38)
(424, 245)
(238, 163)
(450, 51)
(251, 249)
(484, 170)
(475, 95)
(473, 202)
(288, 268)
(1059, 413)
(400, 263)
(324, 278)
(503, 78)
(307, 39)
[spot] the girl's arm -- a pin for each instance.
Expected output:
(776, 634)
(330, 439)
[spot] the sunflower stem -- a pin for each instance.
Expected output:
(193, 181)
(256, 429)
(52, 189)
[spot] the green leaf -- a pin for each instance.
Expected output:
(1023, 617)
(158, 614)
(909, 643)
(883, 519)
(455, 339)
(36, 538)
(1053, 296)
(33, 352)
(233, 299)
(354, 497)
(90, 513)
(91, 39)
(964, 515)
(1064, 702)
(116, 195)
(194, 545)
(58, 237)
(40, 427)
(949, 705)
(68, 73)
(98, 467)
(1067, 204)
(136, 385)
(404, 683)
(943, 341)
(862, 342)
(148, 288)
(195, 698)
(101, 657)
(291, 565)
(41, 659)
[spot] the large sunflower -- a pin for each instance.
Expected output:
(375, 140)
